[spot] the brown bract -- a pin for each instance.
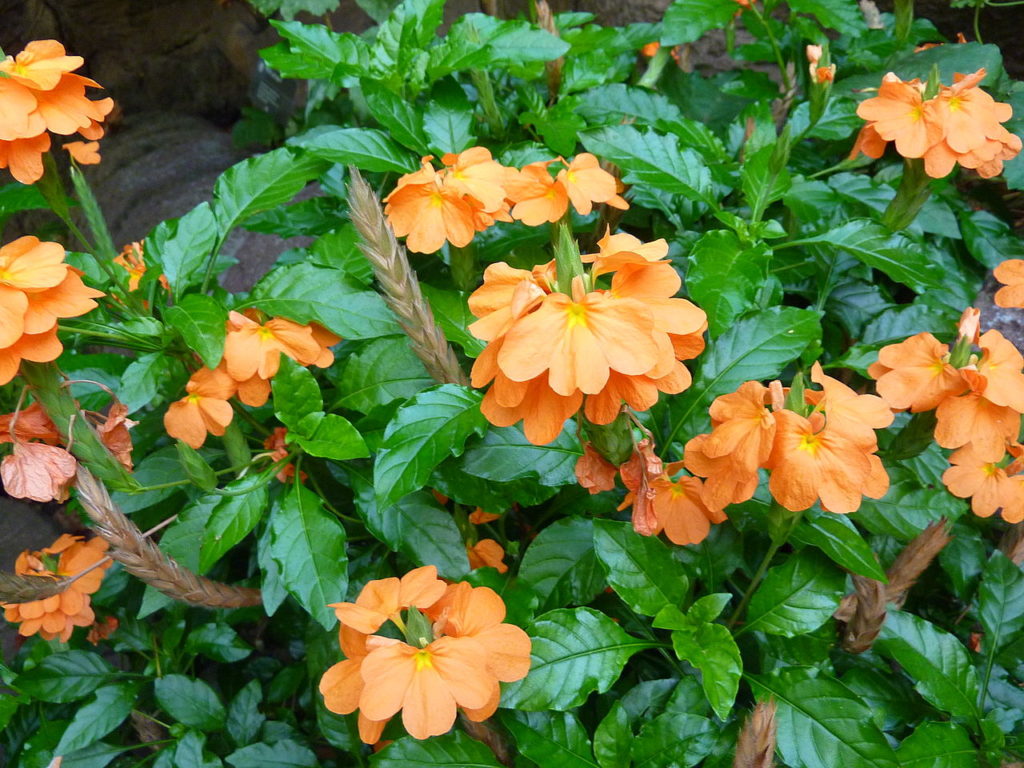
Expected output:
(38, 472)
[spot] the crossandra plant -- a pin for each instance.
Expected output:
(617, 414)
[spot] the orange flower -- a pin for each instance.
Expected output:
(131, 259)
(1011, 274)
(586, 183)
(479, 517)
(30, 423)
(899, 113)
(819, 74)
(38, 471)
(101, 630)
(205, 409)
(254, 349)
(277, 445)
(916, 374)
(680, 508)
(84, 153)
(855, 417)
(57, 616)
(650, 49)
(487, 553)
(978, 478)
(539, 198)
(39, 93)
(456, 662)
(37, 348)
(594, 472)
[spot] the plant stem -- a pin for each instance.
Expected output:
(787, 84)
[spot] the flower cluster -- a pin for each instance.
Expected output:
(822, 449)
(40, 93)
(960, 124)
(820, 74)
(549, 351)
(977, 392)
(38, 467)
(36, 289)
(457, 651)
(57, 616)
(252, 355)
(1011, 274)
(473, 191)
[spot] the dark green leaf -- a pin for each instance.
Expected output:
(821, 723)
(640, 569)
(907, 509)
(282, 754)
(195, 466)
(892, 254)
(1001, 602)
(191, 702)
(479, 41)
(838, 538)
(217, 641)
(306, 292)
(231, 520)
(65, 677)
(313, 51)
(938, 745)
(575, 652)
(561, 565)
(453, 750)
(202, 323)
(329, 436)
(448, 120)
(431, 426)
(712, 650)
(650, 158)
(179, 248)
(934, 659)
(260, 183)
(244, 717)
(92, 722)
(796, 597)
(451, 310)
(308, 545)
(613, 738)
(142, 380)
(673, 739)
(725, 277)
(686, 21)
(505, 454)
(381, 372)
(842, 15)
(764, 179)
(403, 120)
(190, 753)
(554, 740)
(296, 393)
(366, 148)
(403, 35)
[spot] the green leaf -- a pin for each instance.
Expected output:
(179, 248)
(202, 322)
(403, 35)
(613, 738)
(448, 120)
(195, 466)
(65, 677)
(422, 530)
(329, 436)
(217, 641)
(575, 652)
(296, 393)
(561, 565)
(673, 739)
(431, 426)
(479, 41)
(505, 455)
(842, 15)
(907, 509)
(821, 723)
(451, 310)
(190, 753)
(764, 179)
(244, 717)
(231, 520)
(686, 21)
(838, 538)
(142, 380)
(1000, 603)
(938, 745)
(640, 569)
(308, 545)
(314, 51)
(757, 346)
(383, 371)
(108, 709)
(191, 702)
(453, 750)
(712, 649)
(725, 277)
(796, 597)
(403, 120)
(652, 159)
(554, 740)
(892, 254)
(260, 183)
(306, 292)
(366, 148)
(282, 754)
(939, 665)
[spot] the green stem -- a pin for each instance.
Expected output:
(787, 84)
(655, 67)
(977, 21)
(567, 256)
(911, 195)
(462, 262)
(485, 90)
(904, 11)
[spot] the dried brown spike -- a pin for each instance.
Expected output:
(914, 559)
(1012, 543)
(141, 557)
(399, 284)
(24, 589)
(546, 21)
(755, 747)
(865, 624)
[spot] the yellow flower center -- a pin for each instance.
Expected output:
(193, 399)
(264, 333)
(955, 104)
(810, 444)
(916, 114)
(571, 177)
(423, 660)
(677, 490)
(577, 315)
(436, 201)
(990, 469)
